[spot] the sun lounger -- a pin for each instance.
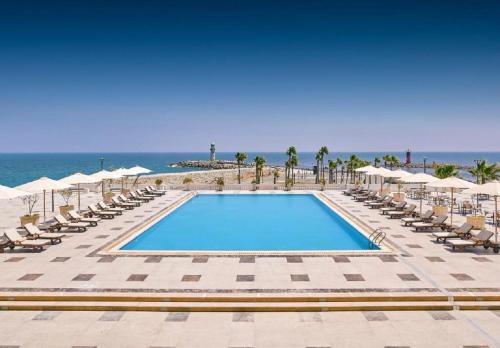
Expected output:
(117, 203)
(482, 238)
(408, 211)
(148, 191)
(398, 206)
(103, 206)
(104, 214)
(153, 189)
(35, 233)
(375, 199)
(381, 204)
(145, 194)
(78, 226)
(437, 222)
(136, 196)
(459, 232)
(364, 196)
(75, 217)
(124, 199)
(17, 240)
(425, 217)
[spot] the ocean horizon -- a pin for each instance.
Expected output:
(19, 168)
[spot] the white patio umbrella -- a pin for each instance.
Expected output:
(138, 170)
(383, 173)
(105, 175)
(365, 170)
(43, 184)
(124, 172)
(492, 189)
(77, 179)
(453, 184)
(9, 193)
(419, 178)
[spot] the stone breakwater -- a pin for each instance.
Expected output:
(206, 176)
(209, 164)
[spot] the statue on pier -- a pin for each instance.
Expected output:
(212, 152)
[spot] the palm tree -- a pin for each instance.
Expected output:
(241, 157)
(318, 160)
(394, 161)
(387, 159)
(290, 152)
(331, 166)
(294, 161)
(323, 151)
(276, 175)
(443, 171)
(339, 162)
(259, 166)
(376, 161)
(484, 172)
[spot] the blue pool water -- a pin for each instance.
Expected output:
(251, 222)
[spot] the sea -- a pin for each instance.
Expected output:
(19, 168)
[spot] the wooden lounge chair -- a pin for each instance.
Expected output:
(103, 214)
(375, 199)
(17, 240)
(136, 196)
(459, 232)
(124, 199)
(150, 187)
(398, 206)
(383, 203)
(103, 206)
(398, 214)
(482, 238)
(78, 226)
(437, 222)
(117, 203)
(75, 217)
(145, 194)
(361, 197)
(148, 191)
(35, 233)
(425, 217)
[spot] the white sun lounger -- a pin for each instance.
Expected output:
(17, 240)
(75, 217)
(35, 232)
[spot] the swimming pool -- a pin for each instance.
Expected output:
(251, 222)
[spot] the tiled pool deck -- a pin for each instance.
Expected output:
(417, 265)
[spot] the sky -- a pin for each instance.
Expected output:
(84, 76)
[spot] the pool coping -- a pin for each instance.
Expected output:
(113, 248)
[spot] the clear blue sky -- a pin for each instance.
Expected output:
(249, 75)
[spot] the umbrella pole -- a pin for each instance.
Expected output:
(43, 205)
(78, 188)
(451, 207)
(52, 200)
(421, 194)
(495, 217)
(102, 188)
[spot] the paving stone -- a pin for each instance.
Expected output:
(247, 259)
(137, 277)
(83, 346)
(496, 312)
(245, 278)
(138, 216)
(83, 246)
(375, 316)
(441, 315)
(15, 259)
(481, 259)
(299, 277)
(116, 228)
(111, 316)
(408, 277)
(353, 277)
(200, 259)
(388, 258)
(478, 346)
(341, 259)
(398, 236)
(414, 246)
(434, 259)
(46, 315)
(107, 259)
(31, 276)
(243, 317)
(191, 278)
(152, 259)
(461, 276)
(60, 259)
(9, 346)
(102, 236)
(83, 277)
(293, 259)
(129, 222)
(177, 316)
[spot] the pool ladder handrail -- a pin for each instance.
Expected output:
(376, 237)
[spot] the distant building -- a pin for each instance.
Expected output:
(408, 157)
(212, 152)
